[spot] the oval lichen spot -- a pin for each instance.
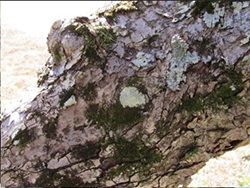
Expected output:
(131, 97)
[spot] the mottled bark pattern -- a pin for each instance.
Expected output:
(192, 79)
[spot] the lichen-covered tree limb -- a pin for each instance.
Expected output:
(141, 95)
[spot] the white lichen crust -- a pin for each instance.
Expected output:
(131, 97)
(182, 58)
(211, 19)
(71, 101)
(143, 59)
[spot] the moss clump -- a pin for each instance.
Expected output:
(225, 94)
(66, 130)
(193, 152)
(90, 48)
(56, 52)
(192, 105)
(95, 38)
(136, 81)
(46, 178)
(106, 36)
(206, 46)
(89, 92)
(161, 128)
(24, 137)
(51, 178)
(152, 39)
(133, 156)
(49, 129)
(114, 116)
(84, 152)
(188, 150)
(201, 6)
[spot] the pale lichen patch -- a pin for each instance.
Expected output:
(131, 97)
(246, 39)
(71, 101)
(182, 58)
(143, 59)
(211, 19)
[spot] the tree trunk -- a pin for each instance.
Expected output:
(143, 94)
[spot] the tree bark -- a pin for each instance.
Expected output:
(143, 94)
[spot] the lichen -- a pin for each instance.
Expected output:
(123, 6)
(181, 59)
(238, 6)
(131, 97)
(211, 19)
(71, 101)
(143, 59)
(246, 39)
(65, 96)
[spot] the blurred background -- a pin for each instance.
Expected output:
(24, 29)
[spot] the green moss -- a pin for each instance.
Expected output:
(51, 178)
(106, 37)
(201, 6)
(133, 156)
(70, 179)
(56, 52)
(94, 39)
(204, 47)
(224, 94)
(66, 130)
(46, 178)
(189, 150)
(87, 151)
(161, 128)
(225, 4)
(25, 136)
(89, 92)
(192, 105)
(136, 81)
(152, 39)
(49, 129)
(191, 153)
(114, 116)
(90, 48)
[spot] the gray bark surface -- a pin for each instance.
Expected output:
(143, 94)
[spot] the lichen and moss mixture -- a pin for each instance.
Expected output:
(141, 95)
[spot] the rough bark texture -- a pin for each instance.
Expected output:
(141, 95)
